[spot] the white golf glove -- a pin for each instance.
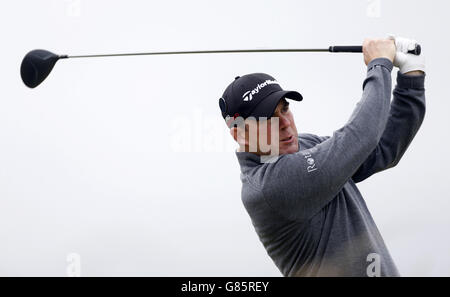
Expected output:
(404, 61)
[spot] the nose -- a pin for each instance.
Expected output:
(284, 122)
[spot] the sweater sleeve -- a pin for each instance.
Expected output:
(299, 185)
(405, 118)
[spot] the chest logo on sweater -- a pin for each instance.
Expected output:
(311, 164)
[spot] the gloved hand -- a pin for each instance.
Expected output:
(404, 61)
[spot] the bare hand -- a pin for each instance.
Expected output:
(378, 48)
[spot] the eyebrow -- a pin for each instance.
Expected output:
(285, 103)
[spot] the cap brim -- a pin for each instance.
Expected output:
(267, 107)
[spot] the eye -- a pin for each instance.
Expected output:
(285, 108)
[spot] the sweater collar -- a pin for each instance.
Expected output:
(248, 161)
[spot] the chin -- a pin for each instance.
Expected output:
(292, 149)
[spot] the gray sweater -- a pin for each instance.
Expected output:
(306, 208)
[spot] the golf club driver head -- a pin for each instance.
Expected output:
(36, 66)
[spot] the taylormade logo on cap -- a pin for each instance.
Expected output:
(248, 96)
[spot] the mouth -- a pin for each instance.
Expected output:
(287, 139)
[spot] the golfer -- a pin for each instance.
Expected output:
(303, 201)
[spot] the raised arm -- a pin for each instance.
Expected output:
(295, 189)
(405, 118)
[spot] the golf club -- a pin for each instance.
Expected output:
(37, 64)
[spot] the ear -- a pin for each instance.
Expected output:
(238, 135)
(233, 133)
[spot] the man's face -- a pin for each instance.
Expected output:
(286, 132)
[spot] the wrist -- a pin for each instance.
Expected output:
(415, 73)
(380, 61)
(405, 81)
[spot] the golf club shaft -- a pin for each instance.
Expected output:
(202, 52)
(332, 49)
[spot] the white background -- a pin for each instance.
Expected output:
(127, 163)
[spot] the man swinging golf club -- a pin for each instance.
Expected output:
(302, 199)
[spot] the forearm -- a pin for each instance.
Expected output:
(406, 115)
(415, 73)
(405, 118)
(369, 118)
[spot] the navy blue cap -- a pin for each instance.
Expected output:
(256, 94)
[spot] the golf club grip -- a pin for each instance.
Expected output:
(358, 49)
(346, 49)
